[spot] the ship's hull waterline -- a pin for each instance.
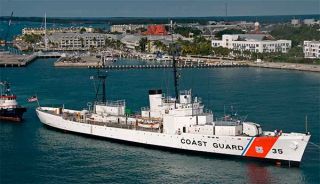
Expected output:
(282, 149)
(14, 114)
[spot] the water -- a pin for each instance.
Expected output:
(33, 153)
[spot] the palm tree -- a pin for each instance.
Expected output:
(95, 41)
(142, 44)
(160, 45)
(82, 42)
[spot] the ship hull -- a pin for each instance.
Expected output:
(277, 149)
(12, 114)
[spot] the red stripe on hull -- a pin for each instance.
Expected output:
(261, 146)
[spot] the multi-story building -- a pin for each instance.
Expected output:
(311, 49)
(40, 31)
(124, 28)
(253, 43)
(295, 22)
(77, 40)
(132, 41)
(309, 21)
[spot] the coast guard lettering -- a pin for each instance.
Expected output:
(215, 145)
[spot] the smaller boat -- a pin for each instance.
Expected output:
(9, 108)
(107, 57)
(149, 125)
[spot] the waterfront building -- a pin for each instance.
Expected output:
(132, 41)
(41, 31)
(253, 43)
(77, 40)
(311, 49)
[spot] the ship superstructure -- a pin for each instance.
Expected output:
(9, 108)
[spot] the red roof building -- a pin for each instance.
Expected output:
(156, 30)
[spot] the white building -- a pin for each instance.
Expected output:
(253, 43)
(41, 31)
(132, 41)
(309, 21)
(295, 22)
(311, 49)
(124, 28)
(77, 40)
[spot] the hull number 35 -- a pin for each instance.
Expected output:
(277, 151)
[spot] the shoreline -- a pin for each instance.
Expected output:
(8, 60)
(287, 66)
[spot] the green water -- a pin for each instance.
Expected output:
(32, 153)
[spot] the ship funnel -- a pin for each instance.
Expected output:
(155, 99)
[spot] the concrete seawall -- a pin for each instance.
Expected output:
(287, 66)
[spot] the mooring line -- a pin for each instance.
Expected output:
(314, 144)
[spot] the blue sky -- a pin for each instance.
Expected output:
(156, 8)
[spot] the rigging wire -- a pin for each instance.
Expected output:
(314, 144)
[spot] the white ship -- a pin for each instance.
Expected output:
(179, 123)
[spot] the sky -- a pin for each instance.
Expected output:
(157, 8)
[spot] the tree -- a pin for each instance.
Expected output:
(296, 34)
(82, 42)
(199, 46)
(31, 38)
(185, 31)
(296, 52)
(82, 30)
(221, 51)
(160, 45)
(142, 44)
(98, 30)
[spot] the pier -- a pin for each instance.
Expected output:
(121, 67)
(8, 59)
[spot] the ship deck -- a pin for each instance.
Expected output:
(74, 116)
(114, 124)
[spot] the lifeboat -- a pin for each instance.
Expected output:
(149, 125)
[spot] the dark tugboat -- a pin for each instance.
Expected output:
(9, 108)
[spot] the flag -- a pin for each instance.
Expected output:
(33, 99)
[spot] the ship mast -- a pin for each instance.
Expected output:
(101, 93)
(174, 64)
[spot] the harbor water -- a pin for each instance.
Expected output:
(33, 153)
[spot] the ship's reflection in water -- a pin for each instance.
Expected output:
(272, 174)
